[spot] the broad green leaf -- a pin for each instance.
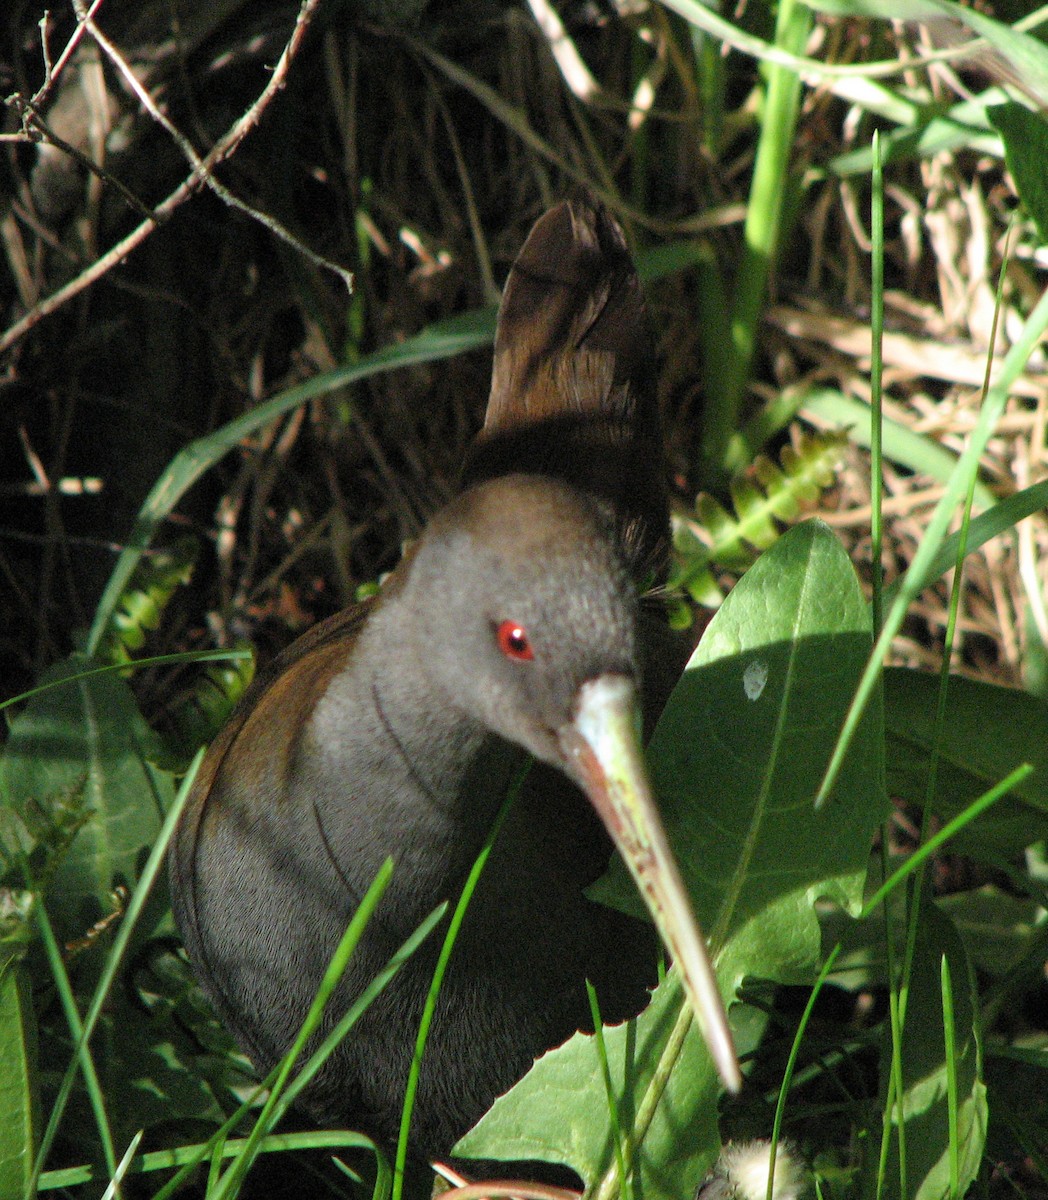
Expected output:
(1017, 1086)
(987, 733)
(1025, 136)
(88, 739)
(148, 1079)
(736, 760)
(17, 1082)
(737, 756)
(559, 1111)
(925, 1102)
(999, 932)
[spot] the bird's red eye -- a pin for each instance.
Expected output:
(514, 642)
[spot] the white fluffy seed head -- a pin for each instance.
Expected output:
(744, 1165)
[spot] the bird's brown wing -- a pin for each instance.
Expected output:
(301, 671)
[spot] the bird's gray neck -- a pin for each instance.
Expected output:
(434, 777)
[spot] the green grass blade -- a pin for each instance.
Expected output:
(189, 1159)
(1025, 54)
(997, 520)
(114, 959)
(622, 1150)
(915, 906)
(233, 1178)
(876, 411)
(159, 660)
(1014, 363)
(355, 1011)
(791, 1063)
(899, 444)
(439, 971)
(723, 451)
(950, 1042)
(442, 340)
(191, 1156)
(92, 1085)
(696, 13)
(948, 830)
(113, 1187)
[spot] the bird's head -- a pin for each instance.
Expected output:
(524, 578)
(528, 624)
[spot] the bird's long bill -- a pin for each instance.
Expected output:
(603, 748)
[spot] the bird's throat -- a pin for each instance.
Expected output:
(433, 787)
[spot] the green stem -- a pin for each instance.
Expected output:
(967, 465)
(438, 978)
(623, 1151)
(609, 1185)
(876, 416)
(896, 1018)
(791, 1064)
(723, 450)
(950, 1048)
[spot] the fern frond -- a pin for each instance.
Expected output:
(215, 694)
(765, 496)
(142, 605)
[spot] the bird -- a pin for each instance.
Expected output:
(511, 628)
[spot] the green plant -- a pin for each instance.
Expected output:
(935, 1071)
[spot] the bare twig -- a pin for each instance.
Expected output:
(198, 178)
(29, 110)
(37, 129)
(51, 74)
(188, 149)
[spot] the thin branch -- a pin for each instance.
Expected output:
(188, 149)
(197, 179)
(37, 130)
(32, 124)
(51, 74)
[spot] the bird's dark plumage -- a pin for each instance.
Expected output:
(573, 390)
(393, 729)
